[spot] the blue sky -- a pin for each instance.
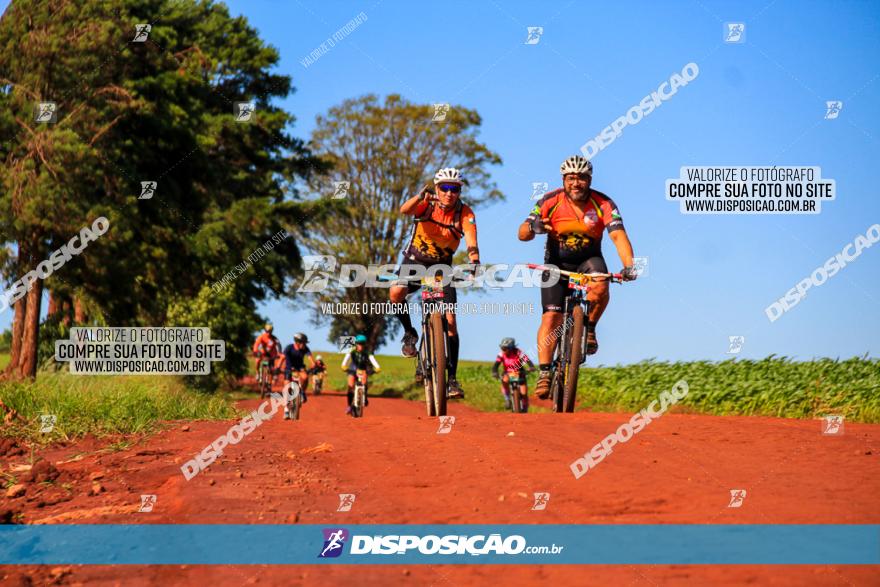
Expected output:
(758, 103)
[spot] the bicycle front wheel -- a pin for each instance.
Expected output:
(574, 358)
(438, 362)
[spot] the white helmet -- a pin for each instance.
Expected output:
(576, 164)
(449, 175)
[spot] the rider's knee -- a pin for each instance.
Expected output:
(397, 294)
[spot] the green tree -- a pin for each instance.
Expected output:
(386, 151)
(160, 110)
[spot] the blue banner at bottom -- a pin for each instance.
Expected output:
(154, 544)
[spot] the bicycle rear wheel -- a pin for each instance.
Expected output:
(574, 358)
(438, 364)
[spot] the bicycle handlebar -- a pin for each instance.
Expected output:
(612, 277)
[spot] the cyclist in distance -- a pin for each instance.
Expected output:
(514, 362)
(359, 359)
(441, 221)
(266, 346)
(573, 218)
(294, 358)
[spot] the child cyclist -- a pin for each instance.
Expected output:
(318, 372)
(514, 361)
(358, 359)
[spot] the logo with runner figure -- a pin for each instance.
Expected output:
(147, 503)
(832, 425)
(141, 32)
(243, 111)
(45, 112)
(533, 35)
(317, 272)
(736, 343)
(334, 540)
(148, 188)
(832, 109)
(346, 500)
(541, 500)
(440, 112)
(446, 423)
(737, 497)
(47, 422)
(539, 188)
(734, 32)
(340, 189)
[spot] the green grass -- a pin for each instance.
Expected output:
(769, 387)
(104, 405)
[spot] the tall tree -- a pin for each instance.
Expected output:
(385, 150)
(160, 110)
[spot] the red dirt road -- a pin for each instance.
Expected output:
(679, 469)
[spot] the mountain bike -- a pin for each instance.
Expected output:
(432, 347)
(264, 378)
(519, 404)
(569, 345)
(294, 399)
(360, 394)
(317, 383)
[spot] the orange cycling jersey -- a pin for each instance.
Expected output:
(438, 232)
(576, 235)
(265, 344)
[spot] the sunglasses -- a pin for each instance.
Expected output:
(450, 187)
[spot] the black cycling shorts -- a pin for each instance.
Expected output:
(553, 297)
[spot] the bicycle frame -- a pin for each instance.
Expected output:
(563, 366)
(360, 393)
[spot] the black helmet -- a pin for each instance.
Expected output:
(508, 343)
(300, 337)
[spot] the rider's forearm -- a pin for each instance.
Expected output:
(410, 205)
(624, 247)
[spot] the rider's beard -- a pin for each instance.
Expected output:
(578, 196)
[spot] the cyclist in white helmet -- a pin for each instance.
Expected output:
(573, 218)
(441, 221)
